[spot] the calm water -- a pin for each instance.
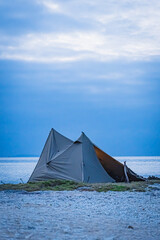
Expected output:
(14, 169)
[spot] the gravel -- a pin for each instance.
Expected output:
(76, 215)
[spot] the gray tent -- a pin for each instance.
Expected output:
(80, 161)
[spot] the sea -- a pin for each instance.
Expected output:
(19, 169)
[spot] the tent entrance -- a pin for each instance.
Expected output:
(114, 168)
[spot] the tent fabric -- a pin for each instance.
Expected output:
(62, 158)
(68, 165)
(79, 161)
(92, 168)
(55, 144)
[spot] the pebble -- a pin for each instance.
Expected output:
(83, 215)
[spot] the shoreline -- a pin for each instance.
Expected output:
(81, 214)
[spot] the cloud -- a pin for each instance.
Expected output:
(90, 30)
(132, 16)
(50, 5)
(76, 46)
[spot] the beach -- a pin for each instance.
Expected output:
(89, 212)
(64, 215)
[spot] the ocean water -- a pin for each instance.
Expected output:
(16, 170)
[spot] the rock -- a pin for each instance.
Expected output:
(85, 188)
(130, 227)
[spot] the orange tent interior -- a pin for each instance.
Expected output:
(114, 168)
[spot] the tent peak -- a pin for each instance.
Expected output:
(83, 134)
(52, 129)
(82, 137)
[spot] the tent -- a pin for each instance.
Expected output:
(80, 161)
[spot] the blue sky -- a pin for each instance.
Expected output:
(91, 66)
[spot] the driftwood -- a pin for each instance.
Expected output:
(125, 172)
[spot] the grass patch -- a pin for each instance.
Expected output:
(65, 185)
(55, 185)
(121, 186)
(111, 187)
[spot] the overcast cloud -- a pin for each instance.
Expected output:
(88, 30)
(83, 65)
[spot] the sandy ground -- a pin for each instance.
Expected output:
(80, 215)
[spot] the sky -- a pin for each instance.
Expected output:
(84, 65)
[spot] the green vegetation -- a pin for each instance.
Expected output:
(54, 185)
(111, 187)
(64, 185)
(121, 186)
